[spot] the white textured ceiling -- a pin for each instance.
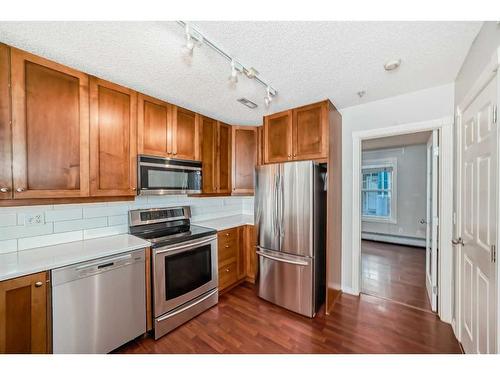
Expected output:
(396, 141)
(304, 61)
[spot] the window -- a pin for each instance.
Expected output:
(378, 193)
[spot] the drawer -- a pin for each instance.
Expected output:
(227, 252)
(227, 275)
(227, 235)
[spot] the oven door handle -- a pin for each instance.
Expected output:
(169, 166)
(185, 246)
(187, 307)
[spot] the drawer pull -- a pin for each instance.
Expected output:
(226, 246)
(38, 284)
(227, 234)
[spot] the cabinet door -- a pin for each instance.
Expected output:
(5, 128)
(244, 153)
(113, 139)
(310, 138)
(278, 137)
(224, 159)
(153, 126)
(260, 145)
(185, 130)
(209, 155)
(23, 314)
(50, 127)
(250, 254)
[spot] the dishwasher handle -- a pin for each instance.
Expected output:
(95, 267)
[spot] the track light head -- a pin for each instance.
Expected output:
(233, 78)
(268, 98)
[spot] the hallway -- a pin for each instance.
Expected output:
(395, 272)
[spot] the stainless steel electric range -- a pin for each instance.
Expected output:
(184, 264)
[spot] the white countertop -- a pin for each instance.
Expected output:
(46, 258)
(226, 222)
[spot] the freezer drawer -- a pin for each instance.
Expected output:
(287, 281)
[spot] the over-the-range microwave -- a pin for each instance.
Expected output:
(162, 176)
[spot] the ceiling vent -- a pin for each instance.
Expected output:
(247, 103)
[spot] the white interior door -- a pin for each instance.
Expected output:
(432, 220)
(478, 289)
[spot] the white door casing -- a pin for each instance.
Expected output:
(478, 223)
(432, 221)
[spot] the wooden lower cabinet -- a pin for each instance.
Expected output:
(24, 314)
(236, 256)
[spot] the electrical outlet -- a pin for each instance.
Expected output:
(34, 219)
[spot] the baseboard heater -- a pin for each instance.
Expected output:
(399, 240)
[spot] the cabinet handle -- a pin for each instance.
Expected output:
(294, 155)
(175, 153)
(227, 270)
(4, 190)
(227, 234)
(38, 284)
(226, 246)
(20, 190)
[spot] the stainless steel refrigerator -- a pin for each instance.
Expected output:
(290, 218)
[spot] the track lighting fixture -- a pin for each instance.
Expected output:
(194, 37)
(268, 98)
(189, 41)
(233, 78)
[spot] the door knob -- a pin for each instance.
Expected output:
(20, 190)
(4, 190)
(458, 241)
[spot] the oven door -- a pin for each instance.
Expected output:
(183, 271)
(161, 176)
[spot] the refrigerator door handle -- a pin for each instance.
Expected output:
(283, 260)
(276, 203)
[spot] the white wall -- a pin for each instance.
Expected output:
(74, 222)
(411, 166)
(417, 106)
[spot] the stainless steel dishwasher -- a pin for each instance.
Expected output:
(99, 305)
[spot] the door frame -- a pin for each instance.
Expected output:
(445, 266)
(489, 73)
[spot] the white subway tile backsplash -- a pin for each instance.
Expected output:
(117, 220)
(73, 222)
(8, 246)
(20, 231)
(106, 210)
(8, 219)
(50, 239)
(72, 225)
(105, 231)
(65, 214)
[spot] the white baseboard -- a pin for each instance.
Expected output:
(400, 240)
(349, 291)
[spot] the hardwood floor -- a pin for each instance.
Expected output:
(395, 272)
(244, 323)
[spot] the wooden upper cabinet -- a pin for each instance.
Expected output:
(185, 135)
(278, 137)
(244, 152)
(50, 128)
(154, 118)
(310, 137)
(209, 155)
(260, 145)
(113, 139)
(224, 158)
(5, 128)
(24, 315)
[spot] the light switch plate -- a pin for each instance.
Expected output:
(34, 219)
